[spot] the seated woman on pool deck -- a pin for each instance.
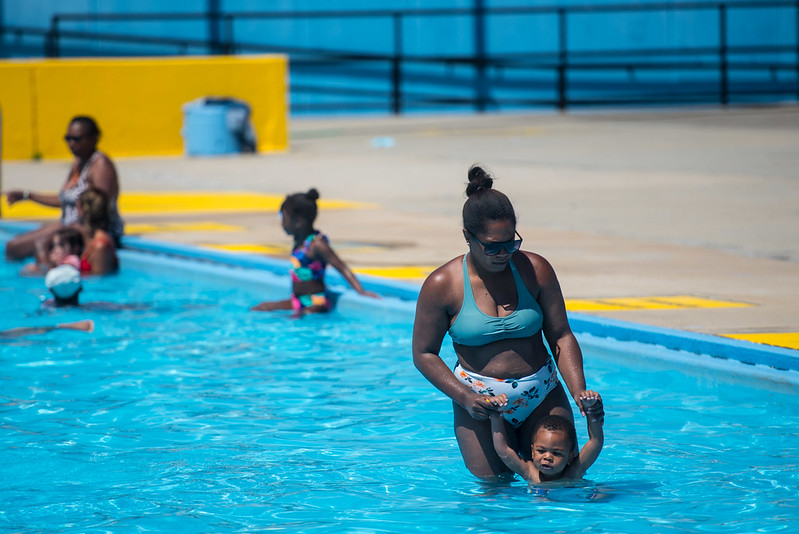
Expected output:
(312, 252)
(91, 168)
(496, 302)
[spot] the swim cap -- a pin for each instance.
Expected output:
(63, 281)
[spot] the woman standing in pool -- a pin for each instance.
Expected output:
(497, 302)
(90, 168)
(310, 256)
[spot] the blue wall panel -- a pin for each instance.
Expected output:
(522, 48)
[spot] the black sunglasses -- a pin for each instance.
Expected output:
(492, 249)
(76, 138)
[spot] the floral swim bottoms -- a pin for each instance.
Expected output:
(524, 394)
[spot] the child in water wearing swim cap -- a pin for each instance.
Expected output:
(310, 256)
(554, 443)
(65, 285)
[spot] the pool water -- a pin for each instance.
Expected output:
(187, 412)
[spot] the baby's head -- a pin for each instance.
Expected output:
(554, 441)
(299, 208)
(66, 241)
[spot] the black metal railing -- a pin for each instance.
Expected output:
(561, 65)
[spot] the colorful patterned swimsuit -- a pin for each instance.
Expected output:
(305, 269)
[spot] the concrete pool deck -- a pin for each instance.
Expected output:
(685, 219)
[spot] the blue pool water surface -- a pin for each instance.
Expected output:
(189, 413)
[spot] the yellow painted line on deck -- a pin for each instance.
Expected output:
(252, 248)
(419, 272)
(789, 340)
(141, 228)
(273, 249)
(180, 203)
(677, 302)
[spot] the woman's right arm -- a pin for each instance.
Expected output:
(430, 325)
(46, 199)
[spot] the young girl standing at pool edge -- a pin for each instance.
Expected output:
(309, 258)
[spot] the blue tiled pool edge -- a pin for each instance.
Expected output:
(743, 351)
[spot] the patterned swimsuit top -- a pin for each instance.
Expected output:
(69, 201)
(303, 268)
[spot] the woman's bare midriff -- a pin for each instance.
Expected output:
(507, 358)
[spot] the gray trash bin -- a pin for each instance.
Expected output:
(217, 125)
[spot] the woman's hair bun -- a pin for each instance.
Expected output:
(479, 180)
(312, 194)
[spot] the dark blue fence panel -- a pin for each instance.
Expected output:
(457, 54)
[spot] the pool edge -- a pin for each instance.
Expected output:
(744, 351)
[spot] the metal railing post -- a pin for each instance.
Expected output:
(51, 41)
(562, 59)
(396, 65)
(723, 67)
(228, 46)
(480, 63)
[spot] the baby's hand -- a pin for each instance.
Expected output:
(591, 403)
(495, 405)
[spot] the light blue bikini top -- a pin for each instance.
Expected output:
(474, 328)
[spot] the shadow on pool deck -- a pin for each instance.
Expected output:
(683, 219)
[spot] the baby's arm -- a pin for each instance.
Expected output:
(499, 435)
(595, 417)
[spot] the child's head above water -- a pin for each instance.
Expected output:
(69, 240)
(66, 242)
(554, 441)
(301, 205)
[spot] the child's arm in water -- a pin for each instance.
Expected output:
(595, 418)
(500, 437)
(86, 325)
(323, 249)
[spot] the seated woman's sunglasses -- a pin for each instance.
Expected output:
(492, 249)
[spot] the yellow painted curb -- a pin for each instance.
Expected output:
(180, 202)
(788, 340)
(142, 228)
(404, 272)
(252, 248)
(649, 303)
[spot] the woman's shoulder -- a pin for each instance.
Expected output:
(102, 169)
(448, 275)
(532, 263)
(100, 156)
